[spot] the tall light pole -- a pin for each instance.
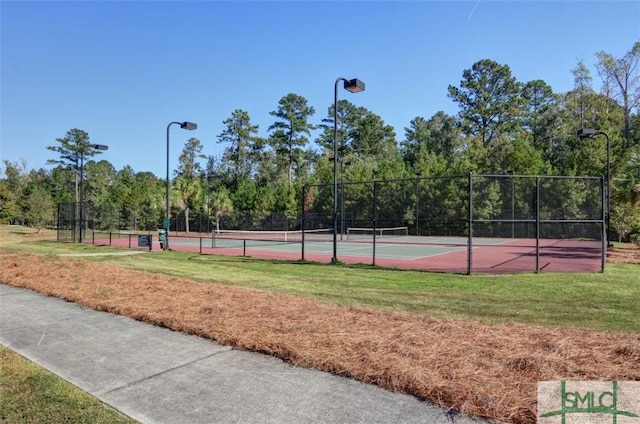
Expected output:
(81, 213)
(185, 126)
(353, 86)
(591, 133)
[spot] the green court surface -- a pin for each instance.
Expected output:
(436, 253)
(401, 247)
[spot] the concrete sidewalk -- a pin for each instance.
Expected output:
(155, 375)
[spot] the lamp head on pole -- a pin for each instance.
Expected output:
(100, 146)
(186, 125)
(354, 85)
(587, 133)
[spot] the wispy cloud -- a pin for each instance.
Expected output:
(475, 6)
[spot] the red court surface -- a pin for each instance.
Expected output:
(504, 256)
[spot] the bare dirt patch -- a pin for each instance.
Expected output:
(485, 370)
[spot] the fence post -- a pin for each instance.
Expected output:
(417, 180)
(537, 223)
(58, 224)
(75, 221)
(470, 241)
(302, 227)
(604, 234)
(375, 217)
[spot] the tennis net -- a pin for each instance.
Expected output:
(355, 233)
(294, 236)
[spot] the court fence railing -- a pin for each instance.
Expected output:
(491, 223)
(458, 224)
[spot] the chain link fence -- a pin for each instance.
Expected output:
(468, 223)
(459, 224)
(74, 220)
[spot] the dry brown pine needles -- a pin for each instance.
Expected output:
(485, 370)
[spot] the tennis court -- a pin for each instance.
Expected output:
(460, 224)
(398, 249)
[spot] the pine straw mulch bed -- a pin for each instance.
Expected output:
(484, 370)
(626, 253)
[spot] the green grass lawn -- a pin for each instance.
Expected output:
(599, 301)
(19, 239)
(30, 394)
(607, 301)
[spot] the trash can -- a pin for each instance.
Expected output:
(162, 237)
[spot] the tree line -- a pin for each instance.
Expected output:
(502, 126)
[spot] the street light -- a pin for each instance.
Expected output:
(591, 133)
(95, 147)
(353, 86)
(185, 126)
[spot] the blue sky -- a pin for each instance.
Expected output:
(122, 70)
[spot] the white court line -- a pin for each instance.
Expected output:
(359, 250)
